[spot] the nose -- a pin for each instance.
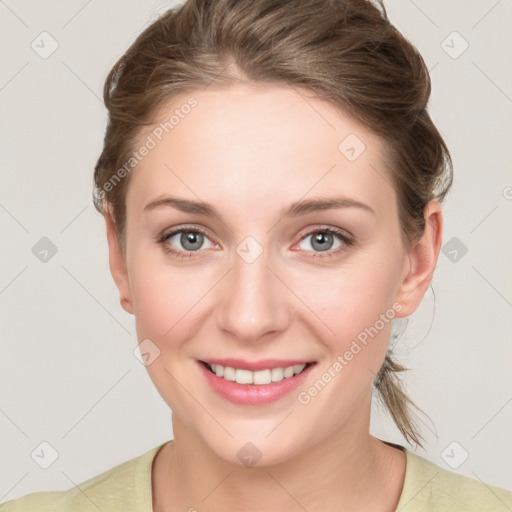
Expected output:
(253, 302)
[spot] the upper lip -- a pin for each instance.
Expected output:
(263, 364)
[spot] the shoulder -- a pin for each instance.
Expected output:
(126, 486)
(428, 487)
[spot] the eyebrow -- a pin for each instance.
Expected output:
(294, 210)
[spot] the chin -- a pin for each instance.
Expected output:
(258, 453)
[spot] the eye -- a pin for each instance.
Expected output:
(183, 242)
(329, 241)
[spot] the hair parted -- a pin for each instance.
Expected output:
(345, 52)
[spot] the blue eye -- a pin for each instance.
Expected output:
(327, 240)
(188, 242)
(321, 241)
(191, 240)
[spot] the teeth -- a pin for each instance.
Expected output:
(259, 377)
(243, 377)
(288, 372)
(262, 377)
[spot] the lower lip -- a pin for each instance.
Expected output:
(251, 394)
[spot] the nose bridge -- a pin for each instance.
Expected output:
(252, 303)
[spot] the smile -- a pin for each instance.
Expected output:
(260, 377)
(254, 383)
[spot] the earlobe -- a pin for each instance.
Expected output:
(117, 264)
(422, 260)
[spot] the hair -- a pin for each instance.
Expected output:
(345, 52)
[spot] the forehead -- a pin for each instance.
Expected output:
(245, 144)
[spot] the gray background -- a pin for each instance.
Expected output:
(68, 376)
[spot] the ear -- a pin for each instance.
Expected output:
(117, 264)
(422, 260)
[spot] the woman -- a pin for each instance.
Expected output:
(271, 184)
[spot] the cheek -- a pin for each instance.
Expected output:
(354, 309)
(169, 300)
(166, 304)
(161, 300)
(348, 300)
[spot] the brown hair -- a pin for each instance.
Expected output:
(343, 51)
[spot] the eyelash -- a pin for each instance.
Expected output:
(347, 241)
(179, 254)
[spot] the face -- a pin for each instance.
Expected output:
(264, 283)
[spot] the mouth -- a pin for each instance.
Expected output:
(256, 374)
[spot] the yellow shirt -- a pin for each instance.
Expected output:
(127, 488)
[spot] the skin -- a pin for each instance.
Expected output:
(251, 152)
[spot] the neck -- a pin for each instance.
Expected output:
(348, 470)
